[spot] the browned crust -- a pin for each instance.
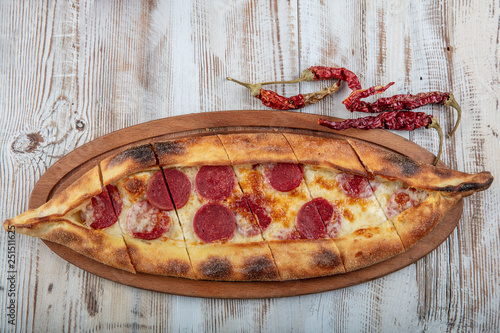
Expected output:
(326, 152)
(233, 262)
(70, 198)
(132, 160)
(415, 223)
(196, 151)
(164, 257)
(368, 246)
(301, 259)
(95, 244)
(391, 165)
(257, 148)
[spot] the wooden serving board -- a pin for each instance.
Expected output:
(76, 163)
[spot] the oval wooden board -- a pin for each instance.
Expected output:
(73, 165)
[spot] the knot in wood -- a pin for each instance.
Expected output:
(26, 143)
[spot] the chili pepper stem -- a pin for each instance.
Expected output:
(451, 101)
(254, 88)
(434, 124)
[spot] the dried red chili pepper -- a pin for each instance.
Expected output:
(400, 102)
(354, 98)
(275, 101)
(320, 73)
(394, 120)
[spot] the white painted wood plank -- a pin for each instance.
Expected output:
(78, 70)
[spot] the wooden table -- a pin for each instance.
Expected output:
(73, 71)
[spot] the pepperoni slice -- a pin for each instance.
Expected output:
(284, 177)
(179, 186)
(214, 222)
(100, 212)
(354, 186)
(330, 215)
(157, 193)
(260, 212)
(309, 222)
(147, 222)
(215, 182)
(116, 198)
(325, 209)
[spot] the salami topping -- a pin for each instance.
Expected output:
(100, 214)
(355, 186)
(179, 186)
(260, 212)
(215, 182)
(214, 222)
(157, 193)
(147, 222)
(116, 198)
(330, 215)
(309, 222)
(404, 199)
(284, 177)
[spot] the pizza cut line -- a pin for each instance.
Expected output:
(250, 207)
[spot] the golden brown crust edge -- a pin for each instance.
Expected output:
(95, 244)
(369, 246)
(334, 153)
(306, 258)
(167, 259)
(70, 198)
(415, 223)
(391, 165)
(257, 148)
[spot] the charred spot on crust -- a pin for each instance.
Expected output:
(216, 268)
(407, 165)
(174, 267)
(170, 148)
(326, 259)
(259, 268)
(142, 155)
(134, 186)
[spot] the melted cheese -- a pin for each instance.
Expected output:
(356, 213)
(196, 201)
(385, 189)
(282, 207)
(132, 194)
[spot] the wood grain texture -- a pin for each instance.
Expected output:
(72, 71)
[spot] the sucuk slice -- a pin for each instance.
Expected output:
(179, 187)
(214, 222)
(145, 221)
(215, 182)
(283, 177)
(242, 257)
(157, 192)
